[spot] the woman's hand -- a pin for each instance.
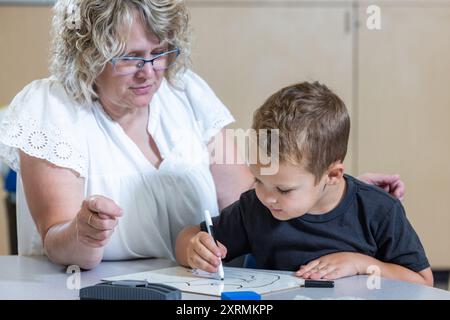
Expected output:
(203, 253)
(331, 266)
(96, 221)
(390, 183)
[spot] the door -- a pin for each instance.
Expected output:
(404, 114)
(248, 50)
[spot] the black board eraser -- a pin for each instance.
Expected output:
(129, 290)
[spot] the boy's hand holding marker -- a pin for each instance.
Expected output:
(204, 253)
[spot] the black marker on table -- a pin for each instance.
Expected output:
(210, 228)
(318, 283)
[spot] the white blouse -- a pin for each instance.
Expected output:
(44, 122)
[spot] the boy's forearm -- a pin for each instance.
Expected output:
(182, 242)
(369, 265)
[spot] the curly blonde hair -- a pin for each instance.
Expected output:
(87, 34)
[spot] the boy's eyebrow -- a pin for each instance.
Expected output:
(286, 186)
(280, 185)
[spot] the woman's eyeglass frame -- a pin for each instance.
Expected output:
(140, 66)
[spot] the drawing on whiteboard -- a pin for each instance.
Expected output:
(236, 279)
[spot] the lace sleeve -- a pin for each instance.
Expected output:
(38, 123)
(210, 113)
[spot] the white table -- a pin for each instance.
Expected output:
(38, 278)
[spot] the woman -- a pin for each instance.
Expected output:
(112, 150)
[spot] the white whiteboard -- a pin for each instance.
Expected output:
(236, 279)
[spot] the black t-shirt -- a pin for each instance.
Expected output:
(367, 220)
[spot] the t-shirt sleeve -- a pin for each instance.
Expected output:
(398, 242)
(229, 229)
(42, 122)
(209, 112)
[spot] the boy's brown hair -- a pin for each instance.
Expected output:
(313, 124)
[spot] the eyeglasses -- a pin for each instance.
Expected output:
(129, 65)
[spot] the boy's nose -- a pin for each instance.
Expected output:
(271, 200)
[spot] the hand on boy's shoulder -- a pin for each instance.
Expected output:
(391, 183)
(375, 192)
(376, 204)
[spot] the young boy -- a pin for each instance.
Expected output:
(310, 217)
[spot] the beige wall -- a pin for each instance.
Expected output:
(245, 68)
(4, 242)
(237, 49)
(404, 115)
(24, 43)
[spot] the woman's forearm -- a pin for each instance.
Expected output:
(62, 246)
(231, 181)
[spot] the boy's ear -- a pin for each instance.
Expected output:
(335, 173)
